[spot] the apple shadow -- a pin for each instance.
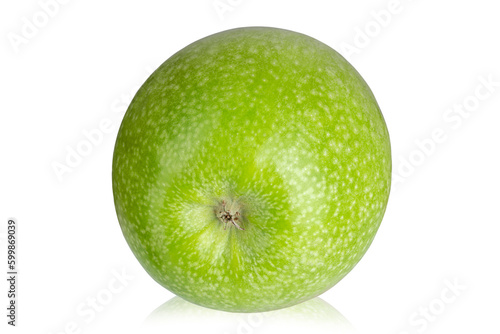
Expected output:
(313, 316)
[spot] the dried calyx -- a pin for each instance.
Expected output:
(229, 214)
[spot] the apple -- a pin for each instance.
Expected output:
(251, 170)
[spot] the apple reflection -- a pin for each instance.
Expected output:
(313, 316)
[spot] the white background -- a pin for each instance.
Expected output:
(78, 70)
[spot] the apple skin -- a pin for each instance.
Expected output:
(270, 127)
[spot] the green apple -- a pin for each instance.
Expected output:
(251, 170)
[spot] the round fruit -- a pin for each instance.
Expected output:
(251, 170)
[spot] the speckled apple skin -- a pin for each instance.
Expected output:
(282, 128)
